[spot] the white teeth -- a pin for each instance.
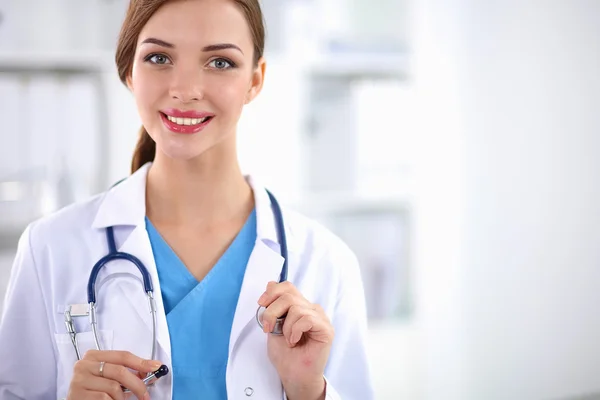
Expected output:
(187, 121)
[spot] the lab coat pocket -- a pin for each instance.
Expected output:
(66, 356)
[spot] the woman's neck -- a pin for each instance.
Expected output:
(202, 192)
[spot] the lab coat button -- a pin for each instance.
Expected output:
(249, 391)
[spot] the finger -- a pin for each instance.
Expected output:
(90, 395)
(294, 314)
(314, 325)
(279, 308)
(103, 388)
(123, 358)
(126, 379)
(143, 376)
(275, 290)
(114, 378)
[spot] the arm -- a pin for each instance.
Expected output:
(28, 367)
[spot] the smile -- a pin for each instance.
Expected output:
(187, 122)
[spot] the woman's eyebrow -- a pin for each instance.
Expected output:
(209, 48)
(159, 42)
(221, 46)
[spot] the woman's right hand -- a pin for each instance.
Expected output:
(89, 383)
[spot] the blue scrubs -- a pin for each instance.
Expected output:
(200, 314)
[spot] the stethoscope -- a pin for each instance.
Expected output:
(113, 255)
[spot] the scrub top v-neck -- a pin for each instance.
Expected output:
(200, 314)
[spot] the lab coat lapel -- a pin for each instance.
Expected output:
(124, 207)
(264, 265)
(139, 245)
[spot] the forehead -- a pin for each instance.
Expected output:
(197, 23)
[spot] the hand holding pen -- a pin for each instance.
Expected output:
(112, 373)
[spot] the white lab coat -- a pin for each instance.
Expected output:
(52, 267)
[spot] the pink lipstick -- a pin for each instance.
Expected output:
(186, 122)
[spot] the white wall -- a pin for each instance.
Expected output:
(532, 276)
(439, 200)
(509, 198)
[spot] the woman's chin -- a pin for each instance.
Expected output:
(180, 151)
(188, 147)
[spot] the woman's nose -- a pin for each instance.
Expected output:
(187, 85)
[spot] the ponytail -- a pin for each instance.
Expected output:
(144, 150)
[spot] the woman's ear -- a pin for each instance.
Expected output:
(129, 83)
(258, 78)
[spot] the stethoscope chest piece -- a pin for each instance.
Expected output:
(277, 329)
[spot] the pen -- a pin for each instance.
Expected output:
(162, 371)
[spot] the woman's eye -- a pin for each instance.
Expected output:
(220, 63)
(158, 59)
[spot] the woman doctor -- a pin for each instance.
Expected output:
(207, 235)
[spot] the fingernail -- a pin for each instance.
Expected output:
(146, 396)
(262, 298)
(155, 364)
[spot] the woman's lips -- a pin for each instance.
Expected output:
(187, 122)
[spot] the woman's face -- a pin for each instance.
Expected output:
(192, 74)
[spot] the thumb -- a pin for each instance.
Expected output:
(142, 376)
(149, 366)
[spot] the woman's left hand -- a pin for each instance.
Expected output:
(300, 355)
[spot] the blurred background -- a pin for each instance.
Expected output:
(452, 144)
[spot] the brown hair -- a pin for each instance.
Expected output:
(138, 14)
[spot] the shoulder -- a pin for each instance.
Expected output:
(66, 223)
(54, 242)
(121, 204)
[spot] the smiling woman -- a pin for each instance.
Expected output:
(211, 243)
(220, 52)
